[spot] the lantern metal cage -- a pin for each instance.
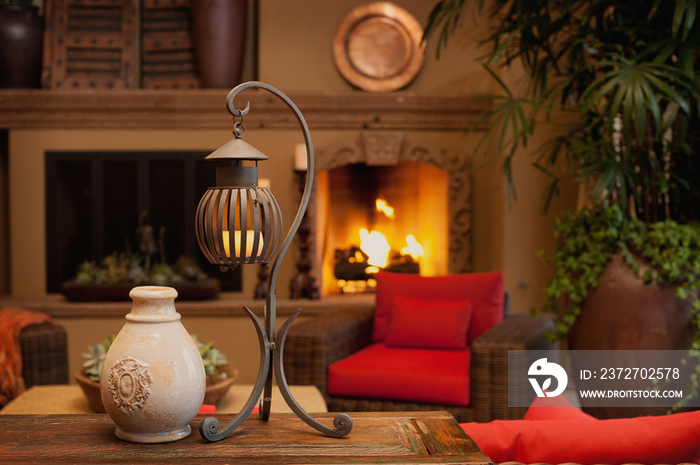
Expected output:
(238, 225)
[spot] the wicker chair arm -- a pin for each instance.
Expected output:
(489, 364)
(315, 343)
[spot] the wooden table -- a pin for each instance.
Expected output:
(69, 399)
(376, 438)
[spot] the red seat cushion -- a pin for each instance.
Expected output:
(414, 375)
(662, 439)
(483, 290)
(429, 324)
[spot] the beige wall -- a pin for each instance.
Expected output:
(295, 39)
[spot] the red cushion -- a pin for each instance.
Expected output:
(415, 375)
(483, 290)
(662, 439)
(555, 408)
(429, 324)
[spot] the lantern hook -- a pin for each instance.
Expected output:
(237, 112)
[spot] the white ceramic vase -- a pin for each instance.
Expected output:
(152, 381)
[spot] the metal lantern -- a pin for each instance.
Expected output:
(238, 222)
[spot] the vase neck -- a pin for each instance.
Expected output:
(153, 304)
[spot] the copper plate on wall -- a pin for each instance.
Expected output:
(378, 47)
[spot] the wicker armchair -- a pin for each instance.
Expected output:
(314, 344)
(44, 354)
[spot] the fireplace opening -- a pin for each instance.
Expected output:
(95, 201)
(392, 218)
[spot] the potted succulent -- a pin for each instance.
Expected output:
(119, 272)
(220, 375)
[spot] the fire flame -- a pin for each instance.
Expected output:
(384, 207)
(376, 246)
(413, 248)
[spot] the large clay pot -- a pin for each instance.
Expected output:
(152, 380)
(21, 40)
(219, 34)
(624, 313)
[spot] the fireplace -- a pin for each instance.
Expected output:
(96, 200)
(386, 184)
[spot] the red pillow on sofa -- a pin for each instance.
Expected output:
(555, 408)
(429, 324)
(483, 290)
(662, 439)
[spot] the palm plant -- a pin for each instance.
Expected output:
(627, 67)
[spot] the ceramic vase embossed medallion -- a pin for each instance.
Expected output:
(152, 381)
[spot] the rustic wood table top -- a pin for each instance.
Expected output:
(376, 438)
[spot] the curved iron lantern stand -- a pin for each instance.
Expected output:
(271, 351)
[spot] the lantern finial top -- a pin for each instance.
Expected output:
(237, 149)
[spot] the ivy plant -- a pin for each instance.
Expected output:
(589, 239)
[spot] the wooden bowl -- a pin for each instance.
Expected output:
(91, 389)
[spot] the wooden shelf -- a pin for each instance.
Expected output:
(228, 304)
(206, 109)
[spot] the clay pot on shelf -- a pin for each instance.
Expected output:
(219, 34)
(21, 43)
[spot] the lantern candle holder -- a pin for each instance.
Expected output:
(238, 204)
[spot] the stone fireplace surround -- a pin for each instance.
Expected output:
(390, 148)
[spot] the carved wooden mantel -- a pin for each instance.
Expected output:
(206, 108)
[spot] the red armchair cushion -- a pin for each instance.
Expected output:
(662, 439)
(414, 375)
(429, 324)
(483, 290)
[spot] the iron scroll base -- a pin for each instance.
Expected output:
(209, 427)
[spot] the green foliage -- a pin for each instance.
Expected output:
(122, 268)
(211, 357)
(588, 241)
(628, 67)
(96, 357)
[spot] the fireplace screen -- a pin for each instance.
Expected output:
(96, 201)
